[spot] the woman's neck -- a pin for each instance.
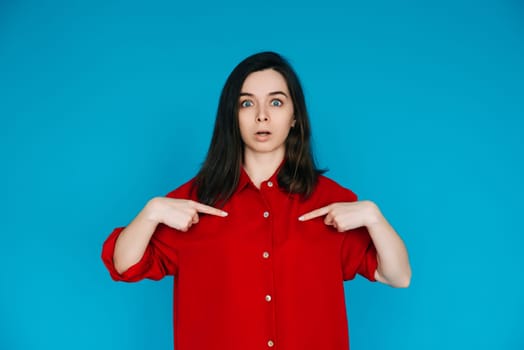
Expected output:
(259, 167)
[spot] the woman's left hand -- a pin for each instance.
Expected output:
(346, 216)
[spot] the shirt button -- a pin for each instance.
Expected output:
(268, 298)
(265, 255)
(266, 214)
(270, 343)
(269, 184)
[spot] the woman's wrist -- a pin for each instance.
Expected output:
(151, 211)
(373, 215)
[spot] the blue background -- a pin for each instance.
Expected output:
(415, 105)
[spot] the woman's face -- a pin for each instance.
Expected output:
(265, 113)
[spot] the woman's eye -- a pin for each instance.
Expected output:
(246, 103)
(276, 103)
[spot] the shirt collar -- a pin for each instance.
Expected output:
(244, 179)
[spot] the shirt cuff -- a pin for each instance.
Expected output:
(132, 274)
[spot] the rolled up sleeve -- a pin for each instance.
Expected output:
(359, 255)
(159, 259)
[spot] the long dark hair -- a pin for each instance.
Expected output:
(218, 178)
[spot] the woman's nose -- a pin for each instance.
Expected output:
(262, 116)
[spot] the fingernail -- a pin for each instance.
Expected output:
(301, 218)
(224, 213)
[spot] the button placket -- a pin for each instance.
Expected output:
(266, 253)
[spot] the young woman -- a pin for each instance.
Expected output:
(259, 242)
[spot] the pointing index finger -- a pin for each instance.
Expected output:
(206, 209)
(315, 213)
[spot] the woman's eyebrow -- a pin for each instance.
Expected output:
(277, 93)
(270, 94)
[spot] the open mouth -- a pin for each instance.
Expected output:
(263, 133)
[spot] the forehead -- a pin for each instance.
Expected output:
(264, 82)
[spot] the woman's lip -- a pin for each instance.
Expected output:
(262, 136)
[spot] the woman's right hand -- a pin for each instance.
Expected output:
(179, 214)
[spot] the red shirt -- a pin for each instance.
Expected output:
(258, 278)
